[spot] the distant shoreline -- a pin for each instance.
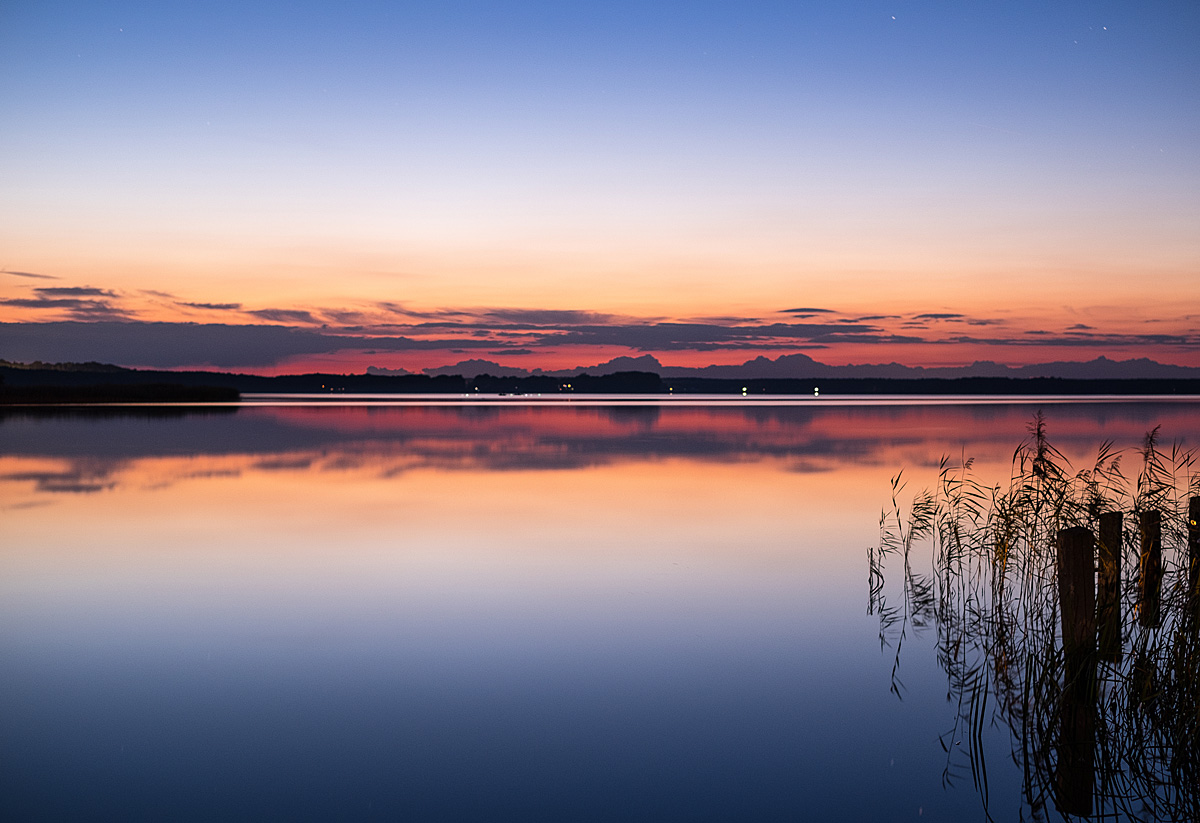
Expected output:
(106, 394)
(110, 384)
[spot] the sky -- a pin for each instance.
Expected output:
(326, 186)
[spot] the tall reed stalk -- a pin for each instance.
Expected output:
(986, 583)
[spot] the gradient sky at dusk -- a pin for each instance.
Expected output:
(555, 184)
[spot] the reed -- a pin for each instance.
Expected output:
(1100, 731)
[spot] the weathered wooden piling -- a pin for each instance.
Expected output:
(1077, 589)
(1076, 767)
(1150, 569)
(1108, 586)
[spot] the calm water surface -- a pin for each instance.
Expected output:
(449, 612)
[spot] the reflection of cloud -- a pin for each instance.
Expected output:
(73, 482)
(810, 467)
(393, 442)
(27, 504)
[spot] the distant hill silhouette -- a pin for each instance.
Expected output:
(801, 367)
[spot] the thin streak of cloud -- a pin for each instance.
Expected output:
(285, 315)
(211, 306)
(1041, 338)
(74, 291)
(344, 316)
(47, 302)
(548, 317)
(31, 274)
(76, 307)
(393, 307)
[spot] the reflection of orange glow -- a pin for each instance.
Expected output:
(323, 504)
(434, 511)
(879, 434)
(414, 472)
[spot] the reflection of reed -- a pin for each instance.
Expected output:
(1027, 593)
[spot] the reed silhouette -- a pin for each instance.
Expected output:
(1066, 606)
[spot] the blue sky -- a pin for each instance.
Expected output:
(665, 160)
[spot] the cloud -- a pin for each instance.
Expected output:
(294, 333)
(344, 316)
(399, 308)
(73, 291)
(706, 337)
(1042, 338)
(807, 311)
(43, 302)
(76, 307)
(285, 315)
(211, 306)
(30, 274)
(168, 345)
(722, 320)
(101, 311)
(546, 317)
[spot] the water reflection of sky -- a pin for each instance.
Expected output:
(466, 613)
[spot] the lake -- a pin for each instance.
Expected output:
(503, 609)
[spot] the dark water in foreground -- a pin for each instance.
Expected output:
(483, 612)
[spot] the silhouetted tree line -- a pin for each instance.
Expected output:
(626, 382)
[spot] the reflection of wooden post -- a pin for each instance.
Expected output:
(1150, 567)
(1076, 772)
(1108, 587)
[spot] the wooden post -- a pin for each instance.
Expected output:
(1150, 569)
(1108, 586)
(1077, 589)
(1076, 769)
